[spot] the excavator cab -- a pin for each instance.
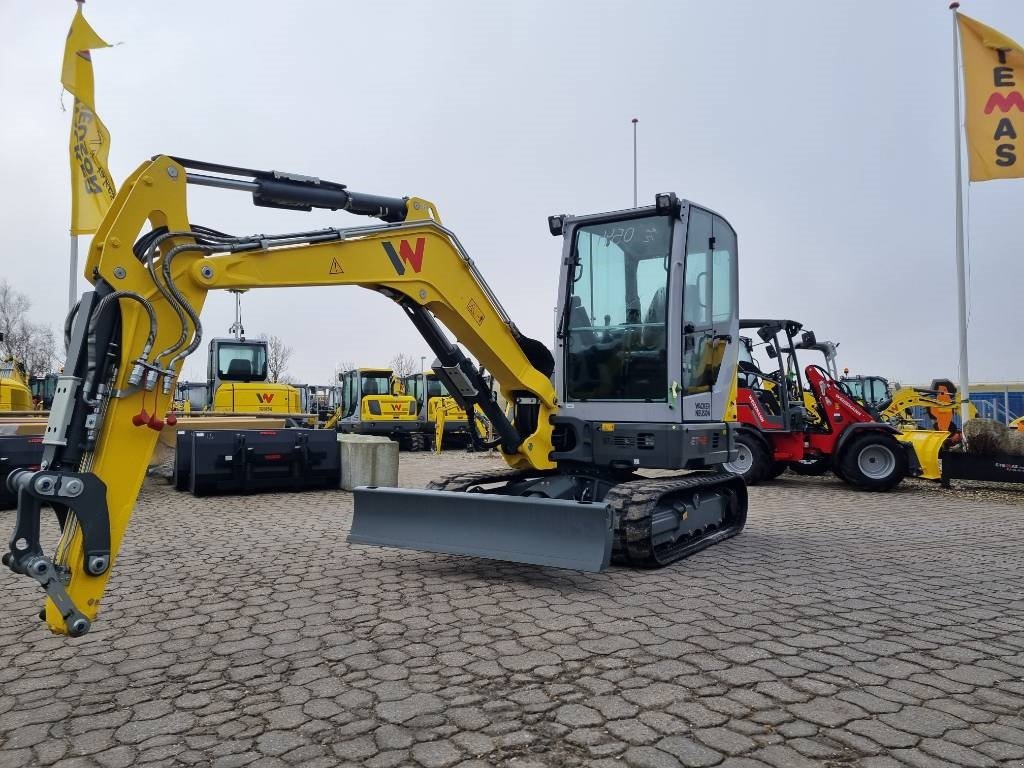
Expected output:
(43, 390)
(238, 378)
(373, 405)
(434, 402)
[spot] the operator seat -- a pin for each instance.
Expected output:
(240, 368)
(579, 323)
(653, 335)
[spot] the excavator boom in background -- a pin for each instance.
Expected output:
(645, 358)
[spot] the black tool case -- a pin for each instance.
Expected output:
(253, 460)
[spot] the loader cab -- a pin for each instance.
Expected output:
(873, 392)
(770, 385)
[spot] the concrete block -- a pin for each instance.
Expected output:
(368, 460)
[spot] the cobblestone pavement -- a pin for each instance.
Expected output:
(840, 629)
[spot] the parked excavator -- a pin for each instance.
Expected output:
(373, 403)
(644, 361)
(440, 418)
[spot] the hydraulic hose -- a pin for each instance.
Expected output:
(91, 357)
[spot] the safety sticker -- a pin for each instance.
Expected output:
(475, 312)
(336, 267)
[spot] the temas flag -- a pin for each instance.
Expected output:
(92, 187)
(994, 90)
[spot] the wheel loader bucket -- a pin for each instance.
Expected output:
(927, 443)
(520, 529)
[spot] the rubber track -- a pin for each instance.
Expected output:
(466, 480)
(634, 503)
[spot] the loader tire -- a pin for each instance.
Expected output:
(752, 461)
(874, 461)
(417, 441)
(811, 467)
(776, 469)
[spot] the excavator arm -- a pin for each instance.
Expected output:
(151, 269)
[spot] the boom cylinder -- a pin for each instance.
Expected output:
(277, 189)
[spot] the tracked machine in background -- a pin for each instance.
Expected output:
(441, 419)
(372, 403)
(644, 362)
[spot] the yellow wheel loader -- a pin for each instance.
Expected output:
(894, 404)
(644, 359)
(372, 404)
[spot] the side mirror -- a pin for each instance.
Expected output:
(771, 351)
(808, 338)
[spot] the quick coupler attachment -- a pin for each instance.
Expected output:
(81, 494)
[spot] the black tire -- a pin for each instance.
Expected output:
(811, 467)
(752, 462)
(777, 468)
(874, 461)
(417, 441)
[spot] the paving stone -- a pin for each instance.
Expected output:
(649, 757)
(827, 711)
(882, 733)
(436, 754)
(922, 721)
(577, 716)
(689, 752)
(725, 741)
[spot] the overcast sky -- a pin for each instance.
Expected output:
(821, 130)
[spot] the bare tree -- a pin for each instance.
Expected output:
(403, 365)
(32, 343)
(343, 367)
(278, 355)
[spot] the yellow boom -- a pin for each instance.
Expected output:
(97, 456)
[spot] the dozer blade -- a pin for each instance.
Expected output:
(563, 534)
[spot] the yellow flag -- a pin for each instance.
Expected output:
(92, 187)
(994, 96)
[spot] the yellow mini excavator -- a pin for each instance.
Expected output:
(372, 403)
(644, 359)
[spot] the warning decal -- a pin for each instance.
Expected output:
(336, 267)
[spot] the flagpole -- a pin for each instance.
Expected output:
(635, 121)
(961, 278)
(73, 276)
(73, 260)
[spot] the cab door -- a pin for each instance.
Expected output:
(710, 321)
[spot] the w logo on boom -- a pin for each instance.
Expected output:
(265, 397)
(406, 254)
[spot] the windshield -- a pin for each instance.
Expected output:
(242, 362)
(616, 314)
(435, 388)
(377, 383)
